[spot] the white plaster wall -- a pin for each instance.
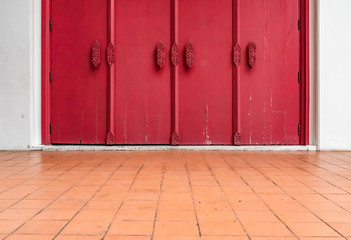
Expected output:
(313, 72)
(14, 73)
(334, 75)
(18, 91)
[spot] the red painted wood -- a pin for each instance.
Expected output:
(237, 54)
(270, 92)
(45, 71)
(143, 90)
(205, 89)
(110, 58)
(305, 71)
(79, 90)
(208, 102)
(176, 57)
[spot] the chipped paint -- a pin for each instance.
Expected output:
(207, 137)
(264, 123)
(125, 124)
(250, 120)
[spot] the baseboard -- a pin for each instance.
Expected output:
(168, 147)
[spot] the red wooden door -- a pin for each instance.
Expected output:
(269, 90)
(205, 88)
(78, 102)
(146, 95)
(143, 88)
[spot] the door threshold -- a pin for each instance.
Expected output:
(168, 147)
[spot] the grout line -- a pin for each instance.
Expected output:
(317, 193)
(322, 195)
(334, 164)
(159, 197)
(123, 201)
(192, 195)
(27, 220)
(290, 196)
(90, 197)
(36, 189)
(17, 173)
(257, 193)
(320, 168)
(219, 185)
(331, 154)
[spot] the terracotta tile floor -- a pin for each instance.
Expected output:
(175, 195)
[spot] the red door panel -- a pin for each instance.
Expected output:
(205, 89)
(270, 100)
(143, 90)
(144, 99)
(78, 102)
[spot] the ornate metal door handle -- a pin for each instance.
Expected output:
(251, 54)
(160, 54)
(189, 54)
(174, 54)
(95, 54)
(237, 55)
(110, 54)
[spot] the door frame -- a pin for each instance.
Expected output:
(46, 69)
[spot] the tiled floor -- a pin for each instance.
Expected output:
(175, 195)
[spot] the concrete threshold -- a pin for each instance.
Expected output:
(168, 147)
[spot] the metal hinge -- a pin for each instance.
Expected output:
(299, 77)
(299, 128)
(50, 77)
(50, 24)
(299, 24)
(50, 128)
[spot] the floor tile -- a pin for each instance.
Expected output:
(41, 227)
(215, 215)
(274, 238)
(177, 238)
(182, 215)
(31, 204)
(8, 226)
(210, 228)
(136, 214)
(77, 237)
(256, 216)
(312, 230)
(341, 217)
(343, 228)
(172, 228)
(18, 214)
(95, 215)
(114, 237)
(264, 229)
(209, 192)
(6, 203)
(224, 238)
(173, 204)
(141, 205)
(322, 238)
(301, 217)
(131, 228)
(77, 227)
(30, 237)
(67, 204)
(55, 214)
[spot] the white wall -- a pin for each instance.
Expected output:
(14, 73)
(334, 75)
(313, 72)
(17, 75)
